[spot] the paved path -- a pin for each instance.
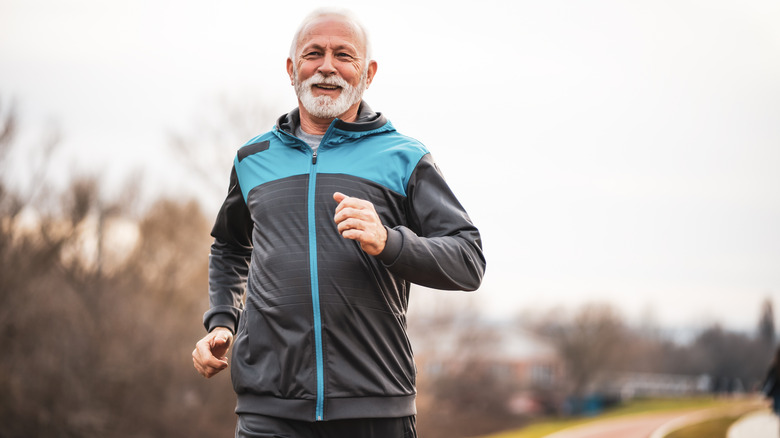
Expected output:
(658, 425)
(633, 426)
(760, 424)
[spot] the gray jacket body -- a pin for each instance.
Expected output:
(321, 325)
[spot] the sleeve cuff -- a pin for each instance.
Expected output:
(221, 320)
(393, 246)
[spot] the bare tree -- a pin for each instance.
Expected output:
(207, 149)
(463, 390)
(589, 342)
(93, 352)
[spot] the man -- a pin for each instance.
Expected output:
(329, 219)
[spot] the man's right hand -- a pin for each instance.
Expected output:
(210, 353)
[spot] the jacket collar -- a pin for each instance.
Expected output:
(367, 120)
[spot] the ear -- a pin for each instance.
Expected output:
(372, 66)
(290, 71)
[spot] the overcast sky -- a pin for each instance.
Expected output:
(622, 151)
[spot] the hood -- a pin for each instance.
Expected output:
(367, 122)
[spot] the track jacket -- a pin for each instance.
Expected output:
(321, 332)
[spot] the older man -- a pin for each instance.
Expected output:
(328, 220)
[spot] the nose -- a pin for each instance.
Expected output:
(327, 67)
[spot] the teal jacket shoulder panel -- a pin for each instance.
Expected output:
(386, 158)
(265, 158)
(371, 148)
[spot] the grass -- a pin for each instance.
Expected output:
(715, 428)
(546, 427)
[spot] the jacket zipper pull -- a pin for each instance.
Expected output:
(314, 158)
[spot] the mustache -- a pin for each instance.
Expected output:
(319, 78)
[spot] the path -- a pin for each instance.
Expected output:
(658, 425)
(760, 424)
(633, 426)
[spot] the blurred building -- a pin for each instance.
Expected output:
(523, 363)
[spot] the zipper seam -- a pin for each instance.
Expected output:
(315, 293)
(319, 409)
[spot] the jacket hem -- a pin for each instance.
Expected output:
(335, 408)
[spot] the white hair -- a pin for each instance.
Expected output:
(342, 14)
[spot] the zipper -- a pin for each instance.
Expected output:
(319, 411)
(315, 290)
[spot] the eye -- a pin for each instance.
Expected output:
(344, 55)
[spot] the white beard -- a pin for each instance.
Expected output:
(325, 107)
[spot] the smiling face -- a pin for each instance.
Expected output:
(329, 69)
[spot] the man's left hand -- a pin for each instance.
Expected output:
(357, 220)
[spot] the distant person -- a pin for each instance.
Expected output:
(329, 218)
(771, 386)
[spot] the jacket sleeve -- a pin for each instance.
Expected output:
(441, 248)
(229, 260)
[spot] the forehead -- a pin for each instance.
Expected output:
(331, 31)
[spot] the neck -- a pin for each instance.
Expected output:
(318, 126)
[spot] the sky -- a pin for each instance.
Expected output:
(609, 151)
